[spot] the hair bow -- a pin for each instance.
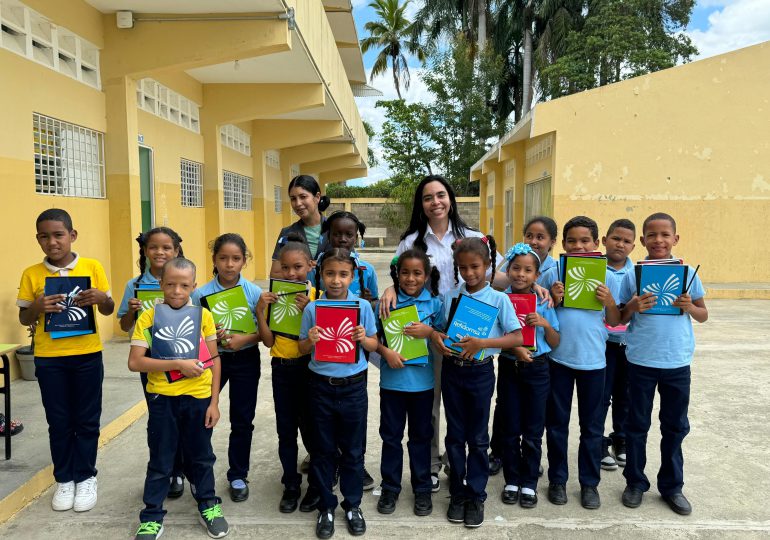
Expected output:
(521, 249)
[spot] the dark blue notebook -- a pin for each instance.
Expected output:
(470, 317)
(176, 333)
(73, 320)
(665, 281)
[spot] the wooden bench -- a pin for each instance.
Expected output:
(377, 232)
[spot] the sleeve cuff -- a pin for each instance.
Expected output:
(211, 337)
(23, 303)
(139, 343)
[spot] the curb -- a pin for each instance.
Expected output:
(30, 490)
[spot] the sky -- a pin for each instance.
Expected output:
(716, 27)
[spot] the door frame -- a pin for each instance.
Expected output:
(152, 183)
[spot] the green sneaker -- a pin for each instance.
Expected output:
(214, 520)
(149, 530)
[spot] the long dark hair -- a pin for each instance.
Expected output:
(431, 272)
(309, 184)
(144, 238)
(419, 222)
(335, 254)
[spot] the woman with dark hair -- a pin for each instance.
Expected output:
(308, 203)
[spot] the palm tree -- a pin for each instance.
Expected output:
(393, 33)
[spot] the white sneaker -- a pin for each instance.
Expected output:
(85, 495)
(64, 497)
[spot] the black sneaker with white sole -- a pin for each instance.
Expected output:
(435, 483)
(619, 450)
(474, 513)
(608, 462)
(214, 520)
(368, 480)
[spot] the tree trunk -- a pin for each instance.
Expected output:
(527, 68)
(481, 6)
(395, 78)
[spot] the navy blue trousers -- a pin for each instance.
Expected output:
(674, 388)
(467, 393)
(242, 370)
(590, 392)
(292, 416)
(616, 389)
(177, 421)
(522, 395)
(395, 408)
(71, 389)
(338, 414)
(178, 460)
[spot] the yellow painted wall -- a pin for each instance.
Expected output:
(31, 89)
(240, 221)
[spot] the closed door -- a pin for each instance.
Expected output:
(145, 184)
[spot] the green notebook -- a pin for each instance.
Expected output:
(393, 327)
(284, 317)
(148, 298)
(231, 309)
(582, 275)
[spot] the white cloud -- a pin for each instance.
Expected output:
(738, 24)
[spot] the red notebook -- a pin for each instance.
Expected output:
(203, 357)
(336, 325)
(524, 304)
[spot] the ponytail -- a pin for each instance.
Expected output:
(435, 275)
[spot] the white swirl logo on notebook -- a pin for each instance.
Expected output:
(227, 315)
(178, 336)
(149, 303)
(396, 337)
(340, 336)
(74, 313)
(285, 307)
(580, 283)
(666, 293)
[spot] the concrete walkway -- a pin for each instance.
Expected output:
(727, 458)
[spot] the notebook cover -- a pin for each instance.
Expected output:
(582, 275)
(524, 304)
(665, 281)
(148, 298)
(176, 332)
(175, 375)
(284, 317)
(336, 325)
(470, 317)
(395, 339)
(562, 263)
(660, 261)
(231, 309)
(73, 320)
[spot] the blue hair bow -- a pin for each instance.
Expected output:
(520, 249)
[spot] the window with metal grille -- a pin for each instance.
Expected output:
(237, 191)
(69, 159)
(191, 181)
(278, 200)
(537, 198)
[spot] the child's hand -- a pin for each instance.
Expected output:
(535, 319)
(642, 303)
(418, 330)
(264, 299)
(544, 294)
(314, 335)
(235, 342)
(437, 338)
(302, 300)
(522, 355)
(684, 302)
(212, 416)
(470, 346)
(49, 304)
(604, 295)
(190, 368)
(557, 291)
(222, 332)
(134, 305)
(394, 359)
(90, 297)
(359, 333)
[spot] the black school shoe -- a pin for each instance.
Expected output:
(324, 527)
(289, 500)
(619, 449)
(176, 487)
(310, 501)
(557, 494)
(239, 490)
(528, 501)
(632, 497)
(678, 503)
(368, 480)
(608, 462)
(589, 497)
(474, 513)
(495, 465)
(509, 496)
(456, 511)
(356, 523)
(387, 502)
(423, 505)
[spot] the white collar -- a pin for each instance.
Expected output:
(56, 270)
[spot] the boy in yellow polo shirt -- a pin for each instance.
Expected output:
(183, 412)
(69, 370)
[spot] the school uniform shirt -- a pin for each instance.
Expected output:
(506, 321)
(549, 314)
(253, 292)
(440, 253)
(430, 309)
(583, 336)
(545, 266)
(145, 280)
(299, 228)
(338, 369)
(370, 278)
(197, 387)
(33, 285)
(617, 334)
(284, 347)
(660, 341)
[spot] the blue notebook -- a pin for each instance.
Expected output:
(176, 333)
(73, 320)
(469, 317)
(666, 281)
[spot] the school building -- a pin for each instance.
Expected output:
(692, 141)
(191, 114)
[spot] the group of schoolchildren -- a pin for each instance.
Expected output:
(615, 356)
